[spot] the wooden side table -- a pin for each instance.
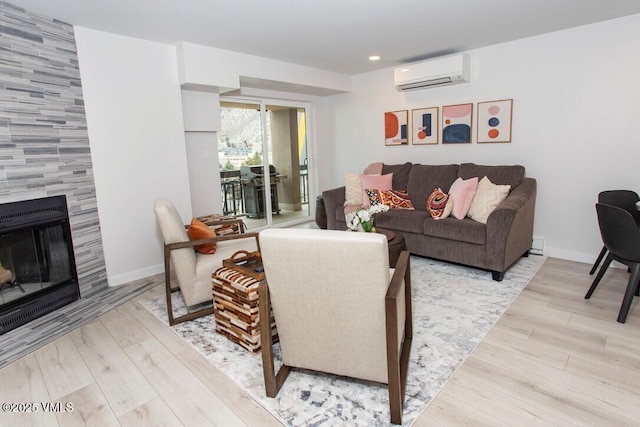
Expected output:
(396, 245)
(223, 225)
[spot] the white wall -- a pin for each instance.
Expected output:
(136, 134)
(576, 111)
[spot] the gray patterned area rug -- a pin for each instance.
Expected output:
(453, 307)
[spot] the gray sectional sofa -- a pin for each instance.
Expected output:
(493, 246)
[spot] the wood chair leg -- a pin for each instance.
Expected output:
(603, 252)
(167, 284)
(629, 293)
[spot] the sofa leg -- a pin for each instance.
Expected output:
(497, 275)
(526, 254)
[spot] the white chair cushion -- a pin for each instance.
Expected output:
(207, 264)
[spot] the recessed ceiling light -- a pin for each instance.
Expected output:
(374, 58)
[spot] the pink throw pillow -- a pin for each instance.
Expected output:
(461, 193)
(375, 182)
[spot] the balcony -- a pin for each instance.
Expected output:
(234, 199)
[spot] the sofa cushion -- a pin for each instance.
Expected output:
(466, 230)
(424, 178)
(405, 220)
(501, 175)
(400, 174)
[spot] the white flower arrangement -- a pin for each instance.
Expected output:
(362, 218)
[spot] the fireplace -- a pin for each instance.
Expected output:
(38, 273)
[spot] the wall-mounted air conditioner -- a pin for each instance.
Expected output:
(437, 72)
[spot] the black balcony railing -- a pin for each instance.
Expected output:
(304, 184)
(232, 191)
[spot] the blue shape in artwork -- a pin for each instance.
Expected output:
(426, 123)
(403, 131)
(456, 134)
(494, 121)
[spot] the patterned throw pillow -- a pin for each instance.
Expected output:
(395, 199)
(379, 182)
(374, 196)
(438, 204)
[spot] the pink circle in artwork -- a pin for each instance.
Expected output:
(422, 134)
(494, 109)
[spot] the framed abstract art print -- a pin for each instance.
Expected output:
(494, 121)
(395, 128)
(456, 123)
(424, 126)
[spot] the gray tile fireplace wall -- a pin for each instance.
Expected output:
(44, 145)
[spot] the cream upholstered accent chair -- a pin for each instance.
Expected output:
(188, 271)
(338, 308)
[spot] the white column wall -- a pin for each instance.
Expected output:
(202, 121)
(136, 133)
(204, 172)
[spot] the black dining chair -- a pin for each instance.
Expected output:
(625, 199)
(621, 238)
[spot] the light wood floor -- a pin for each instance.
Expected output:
(552, 359)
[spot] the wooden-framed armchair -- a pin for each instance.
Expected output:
(188, 271)
(338, 308)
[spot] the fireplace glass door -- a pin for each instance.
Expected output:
(33, 260)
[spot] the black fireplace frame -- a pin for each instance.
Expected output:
(38, 214)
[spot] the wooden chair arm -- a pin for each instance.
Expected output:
(192, 243)
(398, 364)
(402, 272)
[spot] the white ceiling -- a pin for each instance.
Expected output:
(335, 35)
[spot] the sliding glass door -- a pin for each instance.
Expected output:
(262, 148)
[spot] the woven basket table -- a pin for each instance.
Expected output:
(235, 298)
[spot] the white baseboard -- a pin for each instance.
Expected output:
(577, 256)
(121, 279)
